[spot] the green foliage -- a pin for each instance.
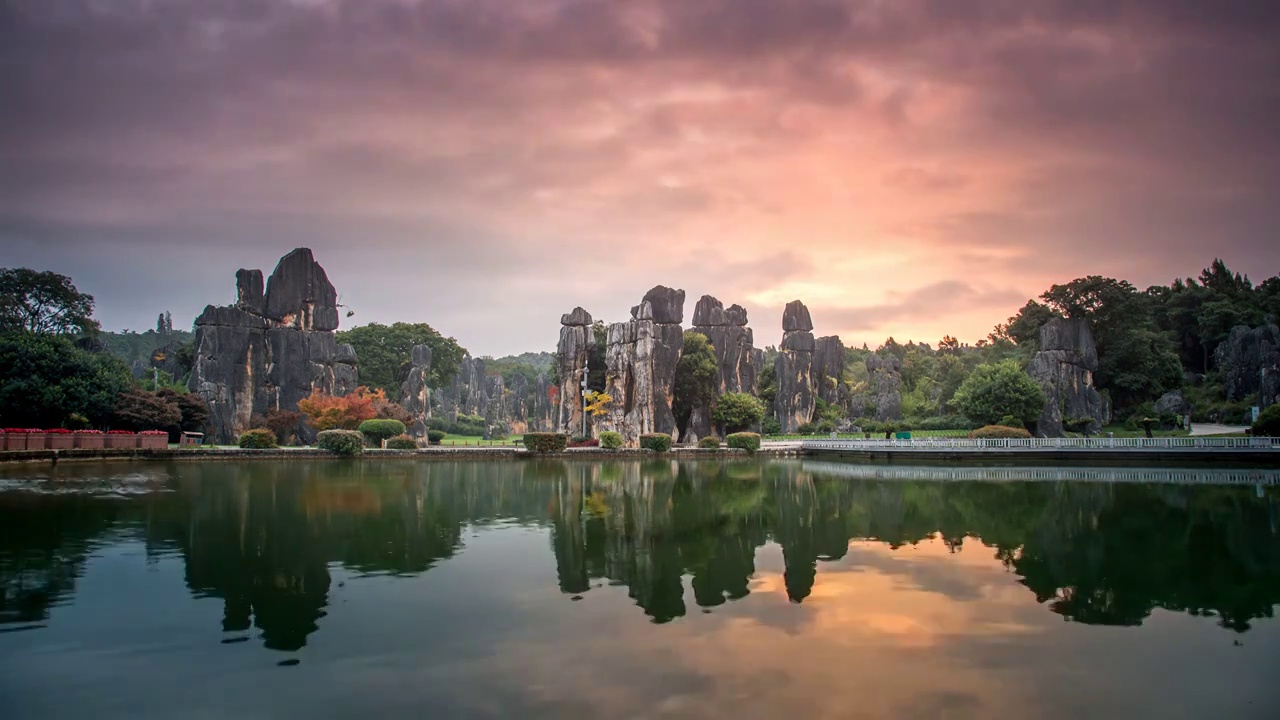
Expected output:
(43, 302)
(343, 442)
(999, 432)
(709, 442)
(1268, 422)
(377, 430)
(402, 442)
(467, 425)
(768, 383)
(141, 410)
(770, 426)
(657, 442)
(610, 440)
(142, 347)
(697, 377)
(748, 441)
(46, 378)
(994, 391)
(435, 436)
(737, 411)
(257, 439)
(284, 423)
(385, 353)
(1024, 328)
(543, 442)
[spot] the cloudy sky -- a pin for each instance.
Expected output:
(907, 167)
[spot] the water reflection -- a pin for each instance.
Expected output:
(263, 537)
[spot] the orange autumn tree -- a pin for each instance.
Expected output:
(329, 412)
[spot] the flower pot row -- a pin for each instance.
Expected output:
(18, 439)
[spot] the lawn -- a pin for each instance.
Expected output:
(465, 440)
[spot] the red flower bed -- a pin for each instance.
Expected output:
(153, 439)
(120, 439)
(58, 431)
(89, 439)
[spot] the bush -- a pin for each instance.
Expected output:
(806, 429)
(379, 429)
(745, 441)
(343, 442)
(771, 426)
(737, 411)
(657, 442)
(435, 436)
(710, 441)
(545, 442)
(1268, 422)
(610, 440)
(996, 391)
(257, 439)
(584, 442)
(402, 442)
(999, 432)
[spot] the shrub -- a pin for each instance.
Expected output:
(657, 442)
(999, 432)
(737, 411)
(998, 390)
(584, 442)
(343, 442)
(806, 429)
(327, 412)
(402, 442)
(257, 439)
(710, 442)
(283, 423)
(770, 426)
(435, 436)
(377, 430)
(748, 441)
(545, 442)
(1268, 422)
(610, 440)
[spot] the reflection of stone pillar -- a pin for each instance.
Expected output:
(567, 538)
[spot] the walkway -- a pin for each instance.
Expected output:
(1212, 429)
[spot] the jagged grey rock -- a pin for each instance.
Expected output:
(884, 380)
(576, 339)
(272, 348)
(1250, 363)
(641, 358)
(794, 402)
(828, 370)
(415, 395)
(1064, 368)
(1172, 402)
(733, 344)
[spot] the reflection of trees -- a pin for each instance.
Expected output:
(261, 535)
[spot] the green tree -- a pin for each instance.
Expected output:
(737, 411)
(993, 391)
(46, 378)
(697, 375)
(141, 410)
(43, 302)
(385, 353)
(1024, 328)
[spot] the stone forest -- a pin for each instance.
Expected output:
(280, 343)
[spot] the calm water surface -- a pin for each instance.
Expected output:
(630, 590)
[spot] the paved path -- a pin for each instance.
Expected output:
(1212, 429)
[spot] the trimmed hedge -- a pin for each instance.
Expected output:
(435, 436)
(380, 429)
(657, 442)
(584, 443)
(343, 442)
(257, 439)
(999, 432)
(748, 441)
(710, 442)
(610, 440)
(402, 442)
(545, 442)
(1268, 422)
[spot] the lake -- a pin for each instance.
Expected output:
(630, 589)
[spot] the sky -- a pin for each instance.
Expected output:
(907, 168)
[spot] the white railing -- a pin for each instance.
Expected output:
(1206, 476)
(1176, 443)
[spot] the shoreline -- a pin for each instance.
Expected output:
(977, 457)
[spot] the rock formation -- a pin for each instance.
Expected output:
(733, 344)
(794, 402)
(828, 371)
(1172, 403)
(641, 359)
(272, 348)
(576, 339)
(884, 381)
(414, 393)
(1250, 363)
(1064, 368)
